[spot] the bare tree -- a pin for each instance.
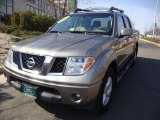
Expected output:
(157, 31)
(64, 8)
(54, 8)
(59, 7)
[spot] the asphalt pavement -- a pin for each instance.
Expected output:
(137, 96)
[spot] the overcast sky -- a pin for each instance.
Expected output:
(141, 12)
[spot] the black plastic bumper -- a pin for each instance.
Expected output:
(42, 93)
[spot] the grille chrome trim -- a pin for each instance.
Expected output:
(15, 57)
(45, 64)
(26, 70)
(46, 68)
(12, 59)
(39, 60)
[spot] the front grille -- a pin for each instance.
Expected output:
(58, 65)
(39, 60)
(20, 59)
(16, 57)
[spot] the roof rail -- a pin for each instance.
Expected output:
(116, 9)
(80, 10)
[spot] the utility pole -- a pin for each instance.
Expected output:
(155, 20)
(145, 30)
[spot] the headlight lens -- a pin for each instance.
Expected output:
(10, 56)
(78, 65)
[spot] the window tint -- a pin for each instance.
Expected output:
(127, 22)
(120, 24)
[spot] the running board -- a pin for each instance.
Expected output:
(123, 71)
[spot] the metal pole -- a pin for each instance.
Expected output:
(155, 20)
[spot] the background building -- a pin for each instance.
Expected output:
(37, 6)
(6, 7)
(42, 7)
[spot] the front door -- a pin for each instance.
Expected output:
(120, 42)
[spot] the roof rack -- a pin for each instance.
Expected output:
(116, 9)
(82, 10)
(94, 9)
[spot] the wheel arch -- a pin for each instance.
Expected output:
(114, 66)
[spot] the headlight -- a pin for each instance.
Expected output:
(10, 56)
(78, 65)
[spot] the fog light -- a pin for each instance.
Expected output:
(76, 98)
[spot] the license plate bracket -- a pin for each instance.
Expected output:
(29, 90)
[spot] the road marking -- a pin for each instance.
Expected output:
(150, 42)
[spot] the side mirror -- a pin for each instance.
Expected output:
(49, 28)
(126, 32)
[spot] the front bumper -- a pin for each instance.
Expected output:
(51, 91)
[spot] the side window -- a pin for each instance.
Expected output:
(127, 22)
(120, 24)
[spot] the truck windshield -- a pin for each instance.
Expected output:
(85, 23)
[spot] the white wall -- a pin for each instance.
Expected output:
(19, 5)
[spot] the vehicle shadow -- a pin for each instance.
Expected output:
(4, 95)
(66, 112)
(137, 97)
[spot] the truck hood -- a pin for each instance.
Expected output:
(59, 44)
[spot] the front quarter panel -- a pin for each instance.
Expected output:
(104, 56)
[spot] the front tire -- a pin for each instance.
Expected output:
(104, 98)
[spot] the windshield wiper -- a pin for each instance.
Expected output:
(97, 33)
(77, 32)
(87, 32)
(55, 31)
(82, 32)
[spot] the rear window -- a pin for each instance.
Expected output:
(127, 22)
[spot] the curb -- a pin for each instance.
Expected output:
(1, 70)
(158, 45)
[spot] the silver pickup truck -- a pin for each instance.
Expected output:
(78, 61)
